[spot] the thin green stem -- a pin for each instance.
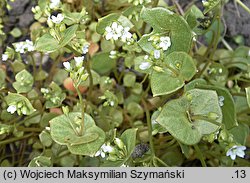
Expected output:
(155, 3)
(151, 143)
(82, 107)
(90, 77)
(8, 141)
(200, 156)
(161, 162)
(199, 117)
(243, 6)
(226, 44)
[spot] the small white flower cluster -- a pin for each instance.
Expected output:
(54, 4)
(145, 64)
(116, 31)
(221, 101)
(114, 152)
(50, 95)
(78, 63)
(85, 49)
(25, 46)
(163, 42)
(236, 151)
(160, 43)
(103, 150)
(19, 107)
(76, 70)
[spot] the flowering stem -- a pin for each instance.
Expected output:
(243, 6)
(90, 77)
(82, 108)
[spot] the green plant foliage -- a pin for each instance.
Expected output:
(190, 117)
(23, 104)
(171, 24)
(136, 83)
(64, 132)
(178, 67)
(24, 82)
(102, 63)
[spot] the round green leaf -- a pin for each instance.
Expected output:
(178, 67)
(15, 98)
(63, 133)
(129, 79)
(40, 161)
(102, 63)
(45, 138)
(190, 117)
(172, 24)
(24, 82)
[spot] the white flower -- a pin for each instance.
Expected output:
(112, 54)
(85, 49)
(79, 61)
(47, 128)
(146, 57)
(44, 90)
(144, 65)
(11, 109)
(24, 46)
(126, 34)
(236, 151)
(5, 57)
(100, 152)
(66, 65)
(107, 148)
(165, 43)
(20, 47)
(113, 31)
(57, 19)
(54, 3)
(112, 103)
(119, 143)
(157, 54)
(29, 45)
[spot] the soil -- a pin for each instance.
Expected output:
(237, 20)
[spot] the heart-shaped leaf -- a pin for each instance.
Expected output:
(190, 117)
(165, 22)
(64, 132)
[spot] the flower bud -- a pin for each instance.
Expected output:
(119, 143)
